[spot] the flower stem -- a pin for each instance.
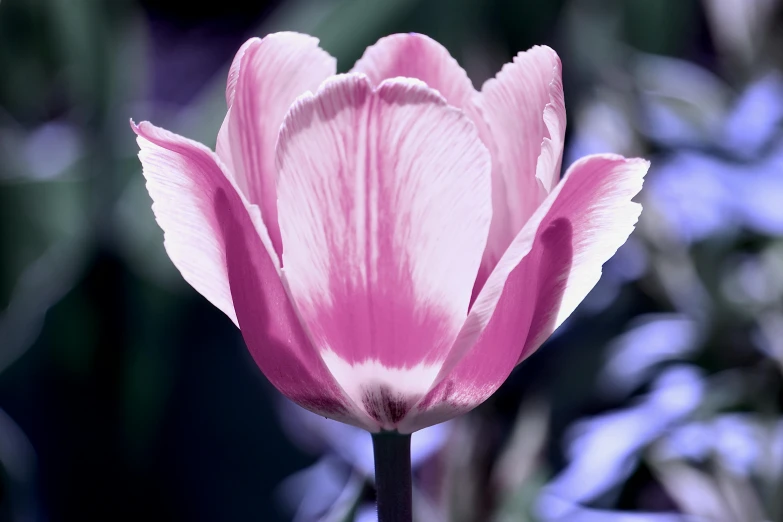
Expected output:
(393, 477)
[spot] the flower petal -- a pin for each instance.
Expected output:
(524, 118)
(236, 65)
(549, 268)
(223, 146)
(267, 76)
(181, 177)
(220, 245)
(414, 55)
(384, 203)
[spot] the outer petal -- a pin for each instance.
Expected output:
(221, 247)
(266, 77)
(414, 55)
(524, 125)
(549, 268)
(384, 201)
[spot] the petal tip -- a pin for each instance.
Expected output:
(416, 55)
(392, 89)
(141, 128)
(539, 49)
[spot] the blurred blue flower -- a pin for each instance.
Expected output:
(744, 444)
(650, 341)
(692, 196)
(720, 171)
(686, 106)
(738, 443)
(604, 450)
(700, 195)
(724, 174)
(690, 441)
(756, 117)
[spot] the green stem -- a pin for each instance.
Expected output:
(393, 477)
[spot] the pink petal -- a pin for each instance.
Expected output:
(181, 175)
(266, 77)
(236, 64)
(220, 245)
(524, 125)
(223, 146)
(384, 203)
(549, 268)
(417, 56)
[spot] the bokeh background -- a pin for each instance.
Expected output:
(125, 396)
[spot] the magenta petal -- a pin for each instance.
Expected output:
(524, 121)
(219, 244)
(549, 268)
(417, 56)
(266, 77)
(384, 204)
(181, 175)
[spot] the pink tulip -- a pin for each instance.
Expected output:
(392, 246)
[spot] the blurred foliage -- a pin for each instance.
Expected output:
(126, 396)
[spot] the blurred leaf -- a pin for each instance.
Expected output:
(40, 286)
(739, 494)
(661, 27)
(517, 474)
(344, 509)
(695, 492)
(74, 31)
(683, 103)
(18, 460)
(34, 218)
(739, 28)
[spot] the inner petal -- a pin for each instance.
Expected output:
(384, 206)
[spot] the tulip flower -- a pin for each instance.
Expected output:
(390, 242)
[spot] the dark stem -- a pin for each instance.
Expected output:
(393, 477)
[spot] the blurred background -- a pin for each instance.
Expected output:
(124, 395)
